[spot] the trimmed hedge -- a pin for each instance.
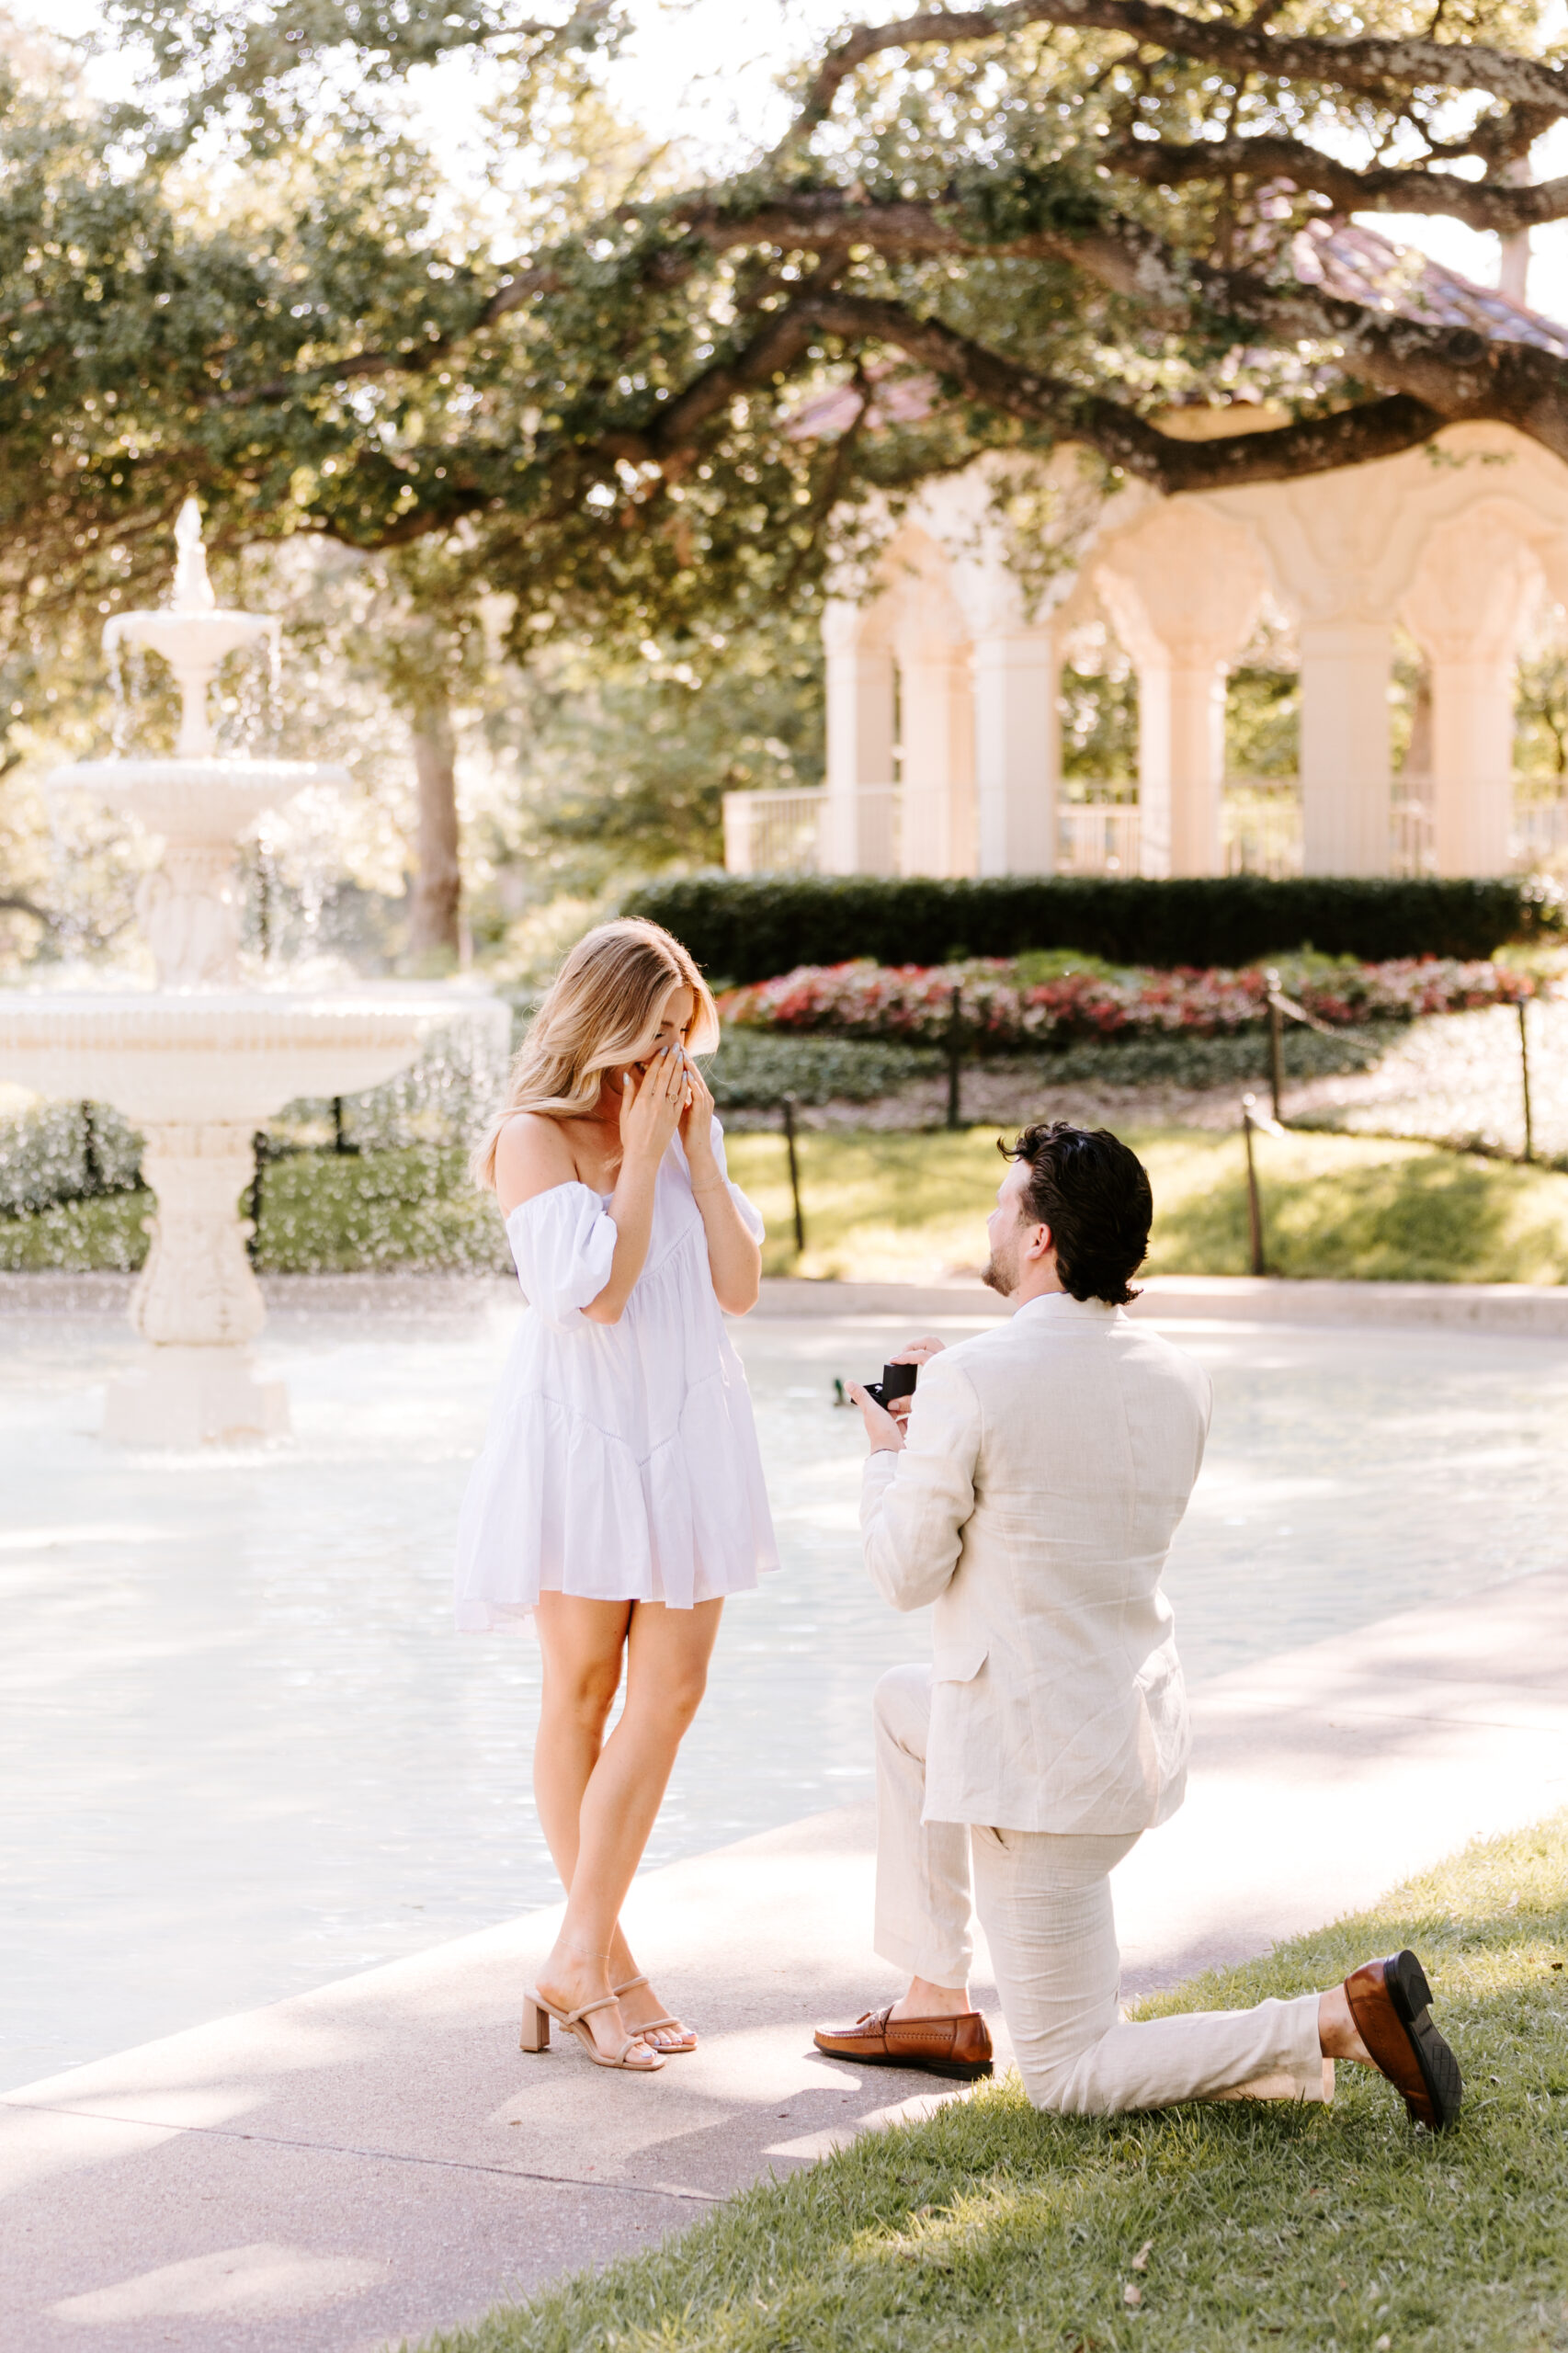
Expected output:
(745, 927)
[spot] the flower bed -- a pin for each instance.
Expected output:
(1000, 1007)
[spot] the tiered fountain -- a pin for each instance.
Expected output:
(199, 1062)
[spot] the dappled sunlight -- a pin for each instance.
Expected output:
(991, 2226)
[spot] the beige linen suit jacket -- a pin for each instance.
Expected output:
(1046, 1466)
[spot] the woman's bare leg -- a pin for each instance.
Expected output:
(584, 1644)
(667, 1654)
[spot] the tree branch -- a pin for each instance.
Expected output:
(1370, 63)
(1480, 204)
(1377, 429)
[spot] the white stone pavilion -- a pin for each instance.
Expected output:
(943, 727)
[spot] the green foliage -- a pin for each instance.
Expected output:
(1389, 1212)
(1099, 725)
(621, 761)
(750, 928)
(760, 1066)
(106, 1235)
(249, 276)
(1182, 1060)
(1541, 713)
(905, 1207)
(990, 2227)
(897, 1207)
(323, 1212)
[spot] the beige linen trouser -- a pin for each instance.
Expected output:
(1045, 1903)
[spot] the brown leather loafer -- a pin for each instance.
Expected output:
(958, 2046)
(1391, 2003)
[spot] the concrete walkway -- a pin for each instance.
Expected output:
(376, 2159)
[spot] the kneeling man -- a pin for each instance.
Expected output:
(1032, 1499)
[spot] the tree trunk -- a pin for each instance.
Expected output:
(437, 880)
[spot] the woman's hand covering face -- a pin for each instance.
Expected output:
(652, 1103)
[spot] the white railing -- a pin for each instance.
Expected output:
(1260, 827)
(861, 833)
(773, 833)
(787, 832)
(1097, 837)
(1539, 837)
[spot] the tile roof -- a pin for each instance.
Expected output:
(1345, 259)
(1359, 265)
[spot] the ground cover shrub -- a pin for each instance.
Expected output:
(321, 1212)
(996, 1005)
(761, 1066)
(329, 1212)
(745, 927)
(58, 1152)
(101, 1235)
(910, 1208)
(1195, 2230)
(755, 1069)
(1184, 1059)
(907, 1207)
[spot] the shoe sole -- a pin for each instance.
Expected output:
(963, 2071)
(1411, 1998)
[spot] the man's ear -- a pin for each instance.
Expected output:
(1039, 1244)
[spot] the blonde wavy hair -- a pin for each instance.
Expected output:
(601, 1010)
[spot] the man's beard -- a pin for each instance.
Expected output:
(997, 1274)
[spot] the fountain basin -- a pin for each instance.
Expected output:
(197, 1071)
(211, 801)
(222, 1056)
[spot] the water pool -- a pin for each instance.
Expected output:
(242, 1751)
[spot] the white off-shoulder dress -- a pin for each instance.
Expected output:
(621, 1462)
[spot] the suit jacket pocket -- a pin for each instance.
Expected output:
(959, 1660)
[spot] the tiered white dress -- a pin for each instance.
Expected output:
(621, 1462)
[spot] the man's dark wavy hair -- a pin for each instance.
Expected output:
(1094, 1196)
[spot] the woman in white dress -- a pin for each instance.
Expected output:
(619, 1495)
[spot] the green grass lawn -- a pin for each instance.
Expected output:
(989, 2228)
(894, 1208)
(903, 1208)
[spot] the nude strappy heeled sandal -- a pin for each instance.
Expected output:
(659, 2025)
(537, 2014)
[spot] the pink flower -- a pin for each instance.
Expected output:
(916, 1003)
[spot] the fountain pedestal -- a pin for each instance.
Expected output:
(197, 1300)
(195, 1397)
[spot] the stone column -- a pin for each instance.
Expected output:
(1181, 760)
(1182, 588)
(936, 714)
(860, 699)
(1345, 746)
(1468, 604)
(1018, 750)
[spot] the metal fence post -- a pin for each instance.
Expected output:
(955, 1060)
(1525, 1080)
(92, 1160)
(1276, 1041)
(258, 1161)
(1255, 1207)
(794, 1174)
